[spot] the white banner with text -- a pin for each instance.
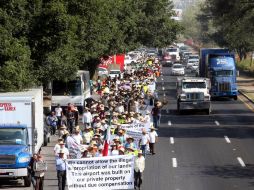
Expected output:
(111, 172)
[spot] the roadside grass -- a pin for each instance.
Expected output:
(246, 65)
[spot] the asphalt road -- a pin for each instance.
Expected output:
(195, 151)
(202, 152)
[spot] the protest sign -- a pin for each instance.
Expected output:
(137, 135)
(111, 172)
(136, 126)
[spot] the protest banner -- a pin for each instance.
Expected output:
(111, 172)
(137, 135)
(136, 126)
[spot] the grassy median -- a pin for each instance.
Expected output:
(246, 65)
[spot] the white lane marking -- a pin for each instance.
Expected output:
(167, 111)
(234, 149)
(227, 139)
(163, 88)
(172, 141)
(217, 123)
(240, 160)
(169, 123)
(162, 79)
(173, 151)
(164, 94)
(174, 162)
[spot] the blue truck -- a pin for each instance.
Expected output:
(219, 66)
(21, 132)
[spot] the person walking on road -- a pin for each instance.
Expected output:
(39, 167)
(156, 113)
(153, 138)
(139, 167)
(70, 119)
(59, 114)
(61, 170)
(52, 122)
(144, 142)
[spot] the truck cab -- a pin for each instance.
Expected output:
(193, 94)
(219, 66)
(15, 152)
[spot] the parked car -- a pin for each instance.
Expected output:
(178, 69)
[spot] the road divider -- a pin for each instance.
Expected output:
(227, 139)
(172, 141)
(217, 123)
(174, 162)
(240, 160)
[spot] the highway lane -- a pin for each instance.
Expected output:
(198, 151)
(193, 152)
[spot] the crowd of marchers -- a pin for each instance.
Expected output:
(127, 99)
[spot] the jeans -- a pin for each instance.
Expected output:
(61, 176)
(39, 183)
(151, 146)
(137, 179)
(70, 124)
(143, 148)
(156, 119)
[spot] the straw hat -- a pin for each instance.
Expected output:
(130, 137)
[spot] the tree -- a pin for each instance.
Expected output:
(233, 21)
(15, 63)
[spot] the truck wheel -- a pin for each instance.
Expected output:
(235, 97)
(27, 180)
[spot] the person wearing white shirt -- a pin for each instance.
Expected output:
(59, 114)
(87, 117)
(144, 141)
(153, 138)
(139, 167)
(61, 146)
(77, 137)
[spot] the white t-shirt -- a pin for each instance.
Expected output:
(87, 117)
(78, 138)
(58, 111)
(144, 139)
(64, 149)
(152, 136)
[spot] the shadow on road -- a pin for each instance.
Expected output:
(231, 171)
(6, 184)
(240, 132)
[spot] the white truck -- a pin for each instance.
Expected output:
(193, 94)
(75, 91)
(21, 132)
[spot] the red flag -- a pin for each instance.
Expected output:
(106, 142)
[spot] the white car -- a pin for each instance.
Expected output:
(191, 62)
(178, 69)
(102, 71)
(128, 60)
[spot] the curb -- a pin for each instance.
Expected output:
(246, 96)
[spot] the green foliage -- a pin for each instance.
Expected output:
(233, 21)
(44, 40)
